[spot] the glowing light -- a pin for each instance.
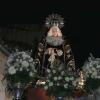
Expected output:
(81, 80)
(40, 82)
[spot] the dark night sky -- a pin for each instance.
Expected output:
(82, 23)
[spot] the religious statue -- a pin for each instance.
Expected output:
(53, 46)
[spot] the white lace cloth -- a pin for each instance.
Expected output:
(54, 41)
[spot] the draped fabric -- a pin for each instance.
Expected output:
(62, 53)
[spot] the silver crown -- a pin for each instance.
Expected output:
(54, 19)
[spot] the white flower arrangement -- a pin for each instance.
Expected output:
(91, 68)
(20, 66)
(59, 81)
(91, 71)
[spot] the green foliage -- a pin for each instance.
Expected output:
(59, 91)
(22, 77)
(91, 84)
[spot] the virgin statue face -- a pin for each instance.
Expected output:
(54, 31)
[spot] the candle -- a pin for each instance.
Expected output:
(81, 80)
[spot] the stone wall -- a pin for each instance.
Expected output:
(22, 32)
(3, 95)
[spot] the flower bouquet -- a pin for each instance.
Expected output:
(91, 70)
(20, 67)
(59, 82)
(20, 70)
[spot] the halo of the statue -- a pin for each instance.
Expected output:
(54, 19)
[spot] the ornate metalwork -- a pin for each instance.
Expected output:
(54, 19)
